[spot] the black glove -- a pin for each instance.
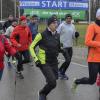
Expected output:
(77, 34)
(38, 63)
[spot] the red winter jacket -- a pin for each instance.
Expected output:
(21, 35)
(5, 48)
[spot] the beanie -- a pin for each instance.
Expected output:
(51, 20)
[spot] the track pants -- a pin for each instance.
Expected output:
(94, 69)
(24, 57)
(67, 53)
(50, 72)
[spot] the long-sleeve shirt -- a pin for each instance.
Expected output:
(92, 40)
(67, 34)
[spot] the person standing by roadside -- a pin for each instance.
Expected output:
(67, 33)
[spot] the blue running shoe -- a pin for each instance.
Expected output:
(41, 96)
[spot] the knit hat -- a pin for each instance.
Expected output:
(22, 18)
(51, 20)
(98, 13)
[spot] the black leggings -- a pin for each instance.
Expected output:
(24, 54)
(67, 53)
(50, 72)
(94, 69)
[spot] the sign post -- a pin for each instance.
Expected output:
(1, 10)
(15, 7)
(18, 5)
(89, 11)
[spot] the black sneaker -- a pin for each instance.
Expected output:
(21, 68)
(20, 75)
(41, 96)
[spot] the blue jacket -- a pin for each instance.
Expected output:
(34, 29)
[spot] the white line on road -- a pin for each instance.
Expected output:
(76, 63)
(79, 64)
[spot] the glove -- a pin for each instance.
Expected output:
(38, 63)
(77, 34)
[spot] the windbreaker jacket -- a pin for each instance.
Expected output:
(92, 40)
(21, 35)
(49, 46)
(5, 47)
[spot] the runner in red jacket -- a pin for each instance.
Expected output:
(5, 47)
(21, 38)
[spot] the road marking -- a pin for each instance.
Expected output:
(76, 63)
(79, 64)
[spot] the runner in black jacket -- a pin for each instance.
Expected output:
(46, 59)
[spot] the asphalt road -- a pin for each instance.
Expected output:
(27, 88)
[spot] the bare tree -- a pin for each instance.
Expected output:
(7, 7)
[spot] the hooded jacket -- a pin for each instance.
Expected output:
(21, 35)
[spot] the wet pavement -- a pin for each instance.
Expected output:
(27, 88)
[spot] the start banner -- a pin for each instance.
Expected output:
(54, 4)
